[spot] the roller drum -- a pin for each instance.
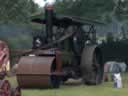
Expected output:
(36, 72)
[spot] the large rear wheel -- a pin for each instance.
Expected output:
(91, 65)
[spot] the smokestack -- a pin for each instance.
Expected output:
(49, 21)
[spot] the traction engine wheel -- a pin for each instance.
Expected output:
(5, 88)
(91, 65)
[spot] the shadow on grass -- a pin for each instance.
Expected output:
(72, 82)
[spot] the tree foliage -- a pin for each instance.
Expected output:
(93, 9)
(103, 10)
(16, 10)
(121, 11)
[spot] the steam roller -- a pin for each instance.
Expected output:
(68, 51)
(39, 71)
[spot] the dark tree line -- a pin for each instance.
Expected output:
(94, 9)
(16, 10)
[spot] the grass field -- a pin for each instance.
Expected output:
(78, 89)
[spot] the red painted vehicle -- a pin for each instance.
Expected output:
(5, 86)
(4, 59)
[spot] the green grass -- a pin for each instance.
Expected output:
(105, 89)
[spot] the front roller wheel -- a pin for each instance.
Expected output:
(91, 65)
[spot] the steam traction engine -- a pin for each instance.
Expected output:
(67, 49)
(5, 86)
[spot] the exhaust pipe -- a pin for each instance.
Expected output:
(49, 22)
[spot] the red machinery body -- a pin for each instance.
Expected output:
(4, 59)
(5, 86)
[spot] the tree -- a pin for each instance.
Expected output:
(93, 9)
(103, 10)
(121, 10)
(16, 10)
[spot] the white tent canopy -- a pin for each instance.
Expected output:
(114, 66)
